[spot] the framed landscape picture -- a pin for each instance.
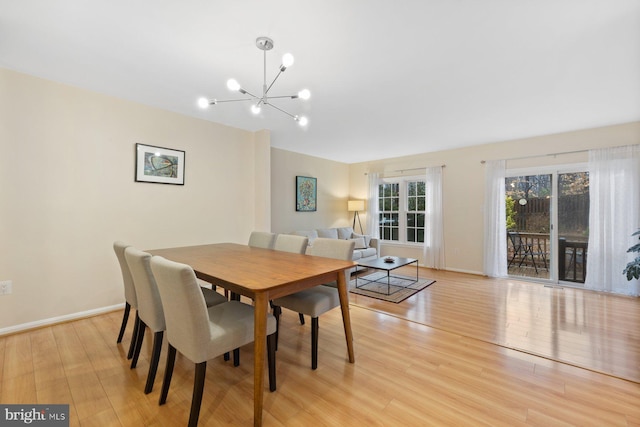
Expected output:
(306, 193)
(159, 165)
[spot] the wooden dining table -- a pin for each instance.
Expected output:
(263, 275)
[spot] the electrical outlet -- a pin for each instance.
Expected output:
(5, 287)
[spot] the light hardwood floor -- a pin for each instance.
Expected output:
(465, 351)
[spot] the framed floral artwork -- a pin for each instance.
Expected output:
(306, 194)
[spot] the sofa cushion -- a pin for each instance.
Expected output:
(364, 253)
(345, 232)
(359, 243)
(356, 255)
(329, 233)
(367, 239)
(310, 234)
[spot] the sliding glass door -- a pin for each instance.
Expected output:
(528, 199)
(573, 226)
(548, 224)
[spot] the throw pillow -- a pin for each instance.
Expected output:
(359, 243)
(367, 239)
(345, 232)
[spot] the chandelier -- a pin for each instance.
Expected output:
(264, 44)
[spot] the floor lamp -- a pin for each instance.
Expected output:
(356, 206)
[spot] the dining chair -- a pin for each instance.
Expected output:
(129, 296)
(291, 243)
(319, 299)
(262, 239)
(150, 308)
(200, 333)
(294, 244)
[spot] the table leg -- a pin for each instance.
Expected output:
(346, 319)
(259, 344)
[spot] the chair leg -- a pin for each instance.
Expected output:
(271, 360)
(277, 311)
(155, 358)
(134, 336)
(198, 389)
(125, 318)
(236, 357)
(138, 347)
(168, 371)
(226, 356)
(301, 316)
(314, 342)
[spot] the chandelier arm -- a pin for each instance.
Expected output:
(231, 100)
(283, 96)
(244, 92)
(274, 80)
(283, 111)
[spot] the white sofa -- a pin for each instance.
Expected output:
(366, 248)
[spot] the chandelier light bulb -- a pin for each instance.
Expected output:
(287, 60)
(304, 94)
(233, 85)
(303, 121)
(203, 102)
(255, 109)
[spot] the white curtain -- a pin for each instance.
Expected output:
(495, 220)
(614, 191)
(372, 206)
(433, 239)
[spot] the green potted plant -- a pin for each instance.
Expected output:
(633, 268)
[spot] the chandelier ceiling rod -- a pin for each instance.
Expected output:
(264, 44)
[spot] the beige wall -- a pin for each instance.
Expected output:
(333, 192)
(67, 191)
(463, 182)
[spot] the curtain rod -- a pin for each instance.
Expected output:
(411, 169)
(538, 155)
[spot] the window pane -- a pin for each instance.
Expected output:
(411, 187)
(420, 220)
(412, 204)
(421, 188)
(411, 220)
(421, 204)
(421, 235)
(394, 234)
(411, 235)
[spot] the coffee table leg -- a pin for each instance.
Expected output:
(388, 282)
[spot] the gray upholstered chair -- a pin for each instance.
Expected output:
(291, 243)
(295, 244)
(262, 239)
(200, 333)
(150, 308)
(319, 299)
(129, 296)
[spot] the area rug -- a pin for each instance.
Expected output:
(402, 287)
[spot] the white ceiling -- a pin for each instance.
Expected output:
(388, 77)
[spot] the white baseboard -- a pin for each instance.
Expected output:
(59, 319)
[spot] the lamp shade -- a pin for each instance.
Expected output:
(355, 205)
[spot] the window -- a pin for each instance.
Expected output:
(402, 210)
